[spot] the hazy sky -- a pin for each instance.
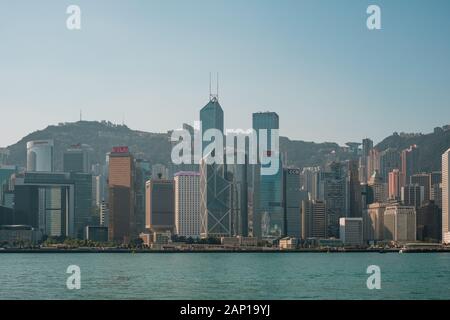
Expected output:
(313, 62)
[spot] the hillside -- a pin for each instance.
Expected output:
(101, 136)
(432, 146)
(155, 147)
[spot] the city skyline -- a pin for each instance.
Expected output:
(120, 60)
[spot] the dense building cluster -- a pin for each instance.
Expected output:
(376, 197)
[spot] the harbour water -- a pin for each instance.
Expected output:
(225, 276)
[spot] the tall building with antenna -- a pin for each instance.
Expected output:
(215, 196)
(211, 115)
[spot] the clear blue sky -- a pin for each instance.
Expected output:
(313, 62)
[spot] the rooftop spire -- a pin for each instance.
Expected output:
(213, 96)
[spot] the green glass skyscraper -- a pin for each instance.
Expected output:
(211, 117)
(271, 191)
(215, 189)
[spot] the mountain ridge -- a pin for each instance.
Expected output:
(156, 147)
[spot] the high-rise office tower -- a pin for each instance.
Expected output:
(160, 205)
(373, 162)
(389, 160)
(83, 203)
(253, 211)
(96, 191)
(292, 200)
(121, 195)
(423, 180)
(412, 195)
(373, 218)
(400, 223)
(429, 220)
(40, 156)
(58, 204)
(435, 177)
(446, 197)
(367, 145)
(215, 189)
(436, 188)
(211, 117)
(333, 190)
(409, 163)
(314, 219)
(237, 175)
(141, 176)
(5, 177)
(215, 201)
(354, 190)
(394, 184)
(271, 191)
(187, 204)
(77, 159)
(309, 181)
(378, 190)
(351, 231)
(436, 194)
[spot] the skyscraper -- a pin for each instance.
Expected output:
(412, 195)
(292, 200)
(237, 176)
(378, 191)
(429, 220)
(211, 117)
(121, 195)
(310, 180)
(5, 176)
(187, 204)
(373, 218)
(215, 201)
(351, 231)
(271, 191)
(394, 184)
(40, 155)
(409, 163)
(77, 159)
(253, 211)
(83, 203)
(373, 162)
(354, 190)
(314, 219)
(400, 223)
(333, 190)
(367, 145)
(141, 176)
(423, 180)
(215, 189)
(446, 197)
(160, 205)
(58, 204)
(389, 160)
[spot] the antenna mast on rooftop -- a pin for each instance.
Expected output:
(213, 96)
